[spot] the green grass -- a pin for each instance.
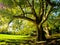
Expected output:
(19, 37)
(6, 39)
(2, 43)
(5, 36)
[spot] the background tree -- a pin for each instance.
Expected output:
(53, 20)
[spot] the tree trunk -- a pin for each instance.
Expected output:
(41, 33)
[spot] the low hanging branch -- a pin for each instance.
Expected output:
(19, 6)
(24, 17)
(28, 13)
(47, 14)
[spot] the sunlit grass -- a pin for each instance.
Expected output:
(5, 36)
(2, 43)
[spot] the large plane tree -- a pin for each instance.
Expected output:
(36, 11)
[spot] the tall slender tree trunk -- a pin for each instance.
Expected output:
(41, 33)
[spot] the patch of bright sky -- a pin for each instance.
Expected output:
(55, 1)
(56, 14)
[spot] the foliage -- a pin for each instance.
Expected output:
(53, 21)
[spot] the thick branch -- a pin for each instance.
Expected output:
(42, 7)
(32, 3)
(32, 8)
(45, 6)
(16, 17)
(21, 9)
(47, 14)
(19, 6)
(41, 10)
(52, 4)
(24, 17)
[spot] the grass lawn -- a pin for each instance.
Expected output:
(5, 36)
